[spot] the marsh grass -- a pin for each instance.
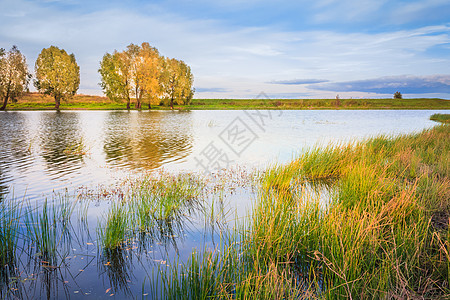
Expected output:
(382, 234)
(77, 148)
(10, 214)
(158, 208)
(362, 220)
(48, 230)
(376, 237)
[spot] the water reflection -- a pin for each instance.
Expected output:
(14, 149)
(147, 139)
(61, 142)
(41, 151)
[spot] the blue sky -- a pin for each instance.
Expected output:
(237, 49)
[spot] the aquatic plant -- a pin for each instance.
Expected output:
(10, 213)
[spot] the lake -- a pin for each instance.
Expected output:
(44, 151)
(91, 159)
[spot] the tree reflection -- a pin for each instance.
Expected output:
(14, 148)
(147, 139)
(61, 142)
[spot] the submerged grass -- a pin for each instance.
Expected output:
(48, 229)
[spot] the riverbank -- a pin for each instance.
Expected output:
(35, 101)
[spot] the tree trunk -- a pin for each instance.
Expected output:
(149, 105)
(128, 102)
(5, 101)
(138, 103)
(57, 102)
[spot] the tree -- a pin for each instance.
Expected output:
(141, 72)
(177, 82)
(116, 77)
(132, 72)
(149, 74)
(57, 74)
(169, 79)
(398, 95)
(186, 80)
(14, 76)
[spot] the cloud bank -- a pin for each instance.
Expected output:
(388, 85)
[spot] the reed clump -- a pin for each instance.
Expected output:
(10, 214)
(382, 233)
(385, 230)
(156, 208)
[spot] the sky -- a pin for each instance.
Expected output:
(238, 49)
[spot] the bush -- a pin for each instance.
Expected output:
(398, 95)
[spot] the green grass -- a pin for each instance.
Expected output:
(10, 213)
(35, 101)
(420, 103)
(443, 118)
(156, 208)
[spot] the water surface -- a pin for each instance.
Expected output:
(42, 151)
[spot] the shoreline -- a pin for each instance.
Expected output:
(35, 101)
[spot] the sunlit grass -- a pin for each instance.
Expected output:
(382, 234)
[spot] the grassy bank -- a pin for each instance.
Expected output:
(320, 104)
(381, 231)
(35, 101)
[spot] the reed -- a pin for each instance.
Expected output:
(116, 227)
(156, 208)
(10, 214)
(47, 228)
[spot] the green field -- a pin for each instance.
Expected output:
(35, 101)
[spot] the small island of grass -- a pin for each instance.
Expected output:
(443, 118)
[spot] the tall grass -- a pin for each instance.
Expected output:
(10, 214)
(157, 208)
(48, 229)
(382, 234)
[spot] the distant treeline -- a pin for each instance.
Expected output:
(138, 72)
